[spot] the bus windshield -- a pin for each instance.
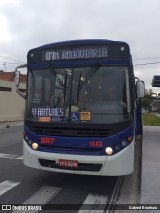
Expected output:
(99, 94)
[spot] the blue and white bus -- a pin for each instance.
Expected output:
(80, 108)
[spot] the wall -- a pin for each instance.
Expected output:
(11, 104)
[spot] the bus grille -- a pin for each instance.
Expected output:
(72, 149)
(81, 166)
(70, 132)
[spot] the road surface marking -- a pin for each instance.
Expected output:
(92, 200)
(114, 195)
(7, 185)
(20, 158)
(17, 157)
(42, 196)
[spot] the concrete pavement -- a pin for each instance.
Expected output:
(150, 184)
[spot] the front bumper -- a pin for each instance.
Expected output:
(121, 163)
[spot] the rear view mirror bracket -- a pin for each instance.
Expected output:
(17, 80)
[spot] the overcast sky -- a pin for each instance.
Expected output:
(25, 24)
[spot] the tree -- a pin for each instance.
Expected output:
(150, 91)
(146, 101)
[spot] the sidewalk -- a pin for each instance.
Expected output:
(150, 182)
(10, 124)
(157, 114)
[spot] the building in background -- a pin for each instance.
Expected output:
(156, 104)
(11, 104)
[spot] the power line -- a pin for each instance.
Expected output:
(150, 63)
(147, 58)
(19, 62)
(4, 62)
(11, 59)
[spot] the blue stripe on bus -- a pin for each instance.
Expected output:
(81, 146)
(77, 63)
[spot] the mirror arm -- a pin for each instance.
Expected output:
(137, 78)
(21, 93)
(17, 87)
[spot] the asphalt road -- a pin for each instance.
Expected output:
(22, 185)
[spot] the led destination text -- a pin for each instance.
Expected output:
(75, 54)
(40, 112)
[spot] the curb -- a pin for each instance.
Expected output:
(8, 125)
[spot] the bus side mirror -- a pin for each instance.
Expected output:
(17, 78)
(140, 89)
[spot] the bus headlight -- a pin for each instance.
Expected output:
(109, 151)
(29, 142)
(118, 147)
(34, 146)
(26, 138)
(127, 141)
(124, 143)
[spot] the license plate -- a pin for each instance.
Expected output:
(68, 163)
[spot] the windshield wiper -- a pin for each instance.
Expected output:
(78, 87)
(88, 76)
(65, 87)
(53, 71)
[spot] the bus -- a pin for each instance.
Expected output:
(80, 107)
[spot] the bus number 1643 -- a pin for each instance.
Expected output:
(95, 143)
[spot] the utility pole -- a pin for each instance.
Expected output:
(4, 66)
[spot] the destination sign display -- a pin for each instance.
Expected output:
(75, 53)
(81, 52)
(47, 112)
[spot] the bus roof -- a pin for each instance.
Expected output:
(103, 50)
(82, 42)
